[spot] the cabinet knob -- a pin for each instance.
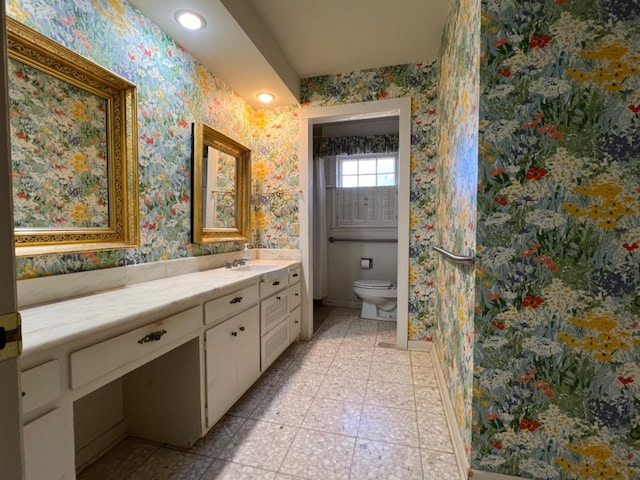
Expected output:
(294, 275)
(234, 334)
(296, 321)
(297, 294)
(278, 297)
(276, 283)
(242, 329)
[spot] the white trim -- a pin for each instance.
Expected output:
(449, 413)
(400, 107)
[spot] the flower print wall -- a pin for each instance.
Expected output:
(174, 90)
(417, 81)
(457, 180)
(557, 373)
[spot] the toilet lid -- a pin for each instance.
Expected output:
(374, 284)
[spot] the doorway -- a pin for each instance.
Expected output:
(400, 108)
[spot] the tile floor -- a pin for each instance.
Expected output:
(337, 407)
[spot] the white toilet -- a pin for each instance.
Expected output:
(379, 299)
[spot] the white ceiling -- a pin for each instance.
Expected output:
(269, 45)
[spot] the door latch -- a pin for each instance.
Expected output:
(10, 335)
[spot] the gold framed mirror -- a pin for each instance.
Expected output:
(221, 187)
(74, 149)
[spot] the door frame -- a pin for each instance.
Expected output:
(395, 107)
(11, 451)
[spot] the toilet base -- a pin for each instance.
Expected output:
(372, 312)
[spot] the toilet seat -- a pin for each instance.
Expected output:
(373, 284)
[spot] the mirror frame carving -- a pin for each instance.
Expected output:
(123, 231)
(204, 135)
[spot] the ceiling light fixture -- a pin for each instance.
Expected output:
(265, 97)
(190, 20)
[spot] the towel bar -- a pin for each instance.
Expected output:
(453, 257)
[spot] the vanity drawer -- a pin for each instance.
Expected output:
(269, 287)
(274, 343)
(294, 325)
(40, 385)
(224, 307)
(294, 275)
(294, 296)
(98, 360)
(273, 310)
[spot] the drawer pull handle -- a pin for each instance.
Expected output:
(242, 329)
(234, 334)
(152, 337)
(236, 300)
(276, 283)
(295, 275)
(278, 297)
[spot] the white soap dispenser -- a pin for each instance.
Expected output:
(246, 256)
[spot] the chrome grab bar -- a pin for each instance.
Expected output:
(453, 257)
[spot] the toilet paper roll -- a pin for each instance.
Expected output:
(365, 263)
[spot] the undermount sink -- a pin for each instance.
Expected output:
(258, 267)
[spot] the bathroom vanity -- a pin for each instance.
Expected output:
(161, 360)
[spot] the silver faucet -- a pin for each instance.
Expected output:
(237, 262)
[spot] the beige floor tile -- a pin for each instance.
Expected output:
(325, 347)
(212, 444)
(379, 460)
(389, 394)
(311, 363)
(120, 461)
(303, 383)
(166, 464)
(285, 408)
(221, 470)
(391, 372)
(349, 368)
(249, 402)
(440, 466)
(350, 352)
(425, 376)
(319, 456)
(333, 416)
(434, 432)
(343, 388)
(421, 359)
(260, 444)
(428, 399)
(392, 425)
(391, 355)
(269, 378)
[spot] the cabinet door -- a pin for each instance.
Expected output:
(248, 348)
(44, 453)
(294, 325)
(221, 369)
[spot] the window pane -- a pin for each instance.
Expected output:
(386, 165)
(349, 167)
(367, 166)
(386, 180)
(367, 181)
(349, 181)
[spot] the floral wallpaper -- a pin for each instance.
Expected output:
(457, 180)
(557, 373)
(47, 187)
(174, 90)
(419, 82)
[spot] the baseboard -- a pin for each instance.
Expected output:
(449, 413)
(480, 475)
(99, 446)
(420, 346)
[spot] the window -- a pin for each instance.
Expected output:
(366, 193)
(367, 170)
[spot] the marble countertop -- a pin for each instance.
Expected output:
(108, 313)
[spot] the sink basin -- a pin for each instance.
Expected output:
(258, 267)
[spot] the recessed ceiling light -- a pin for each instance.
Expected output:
(190, 20)
(265, 97)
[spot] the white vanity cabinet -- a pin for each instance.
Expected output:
(295, 295)
(232, 351)
(274, 317)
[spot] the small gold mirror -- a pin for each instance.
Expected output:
(221, 183)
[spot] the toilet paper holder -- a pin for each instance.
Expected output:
(366, 263)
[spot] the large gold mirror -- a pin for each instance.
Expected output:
(221, 184)
(73, 149)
